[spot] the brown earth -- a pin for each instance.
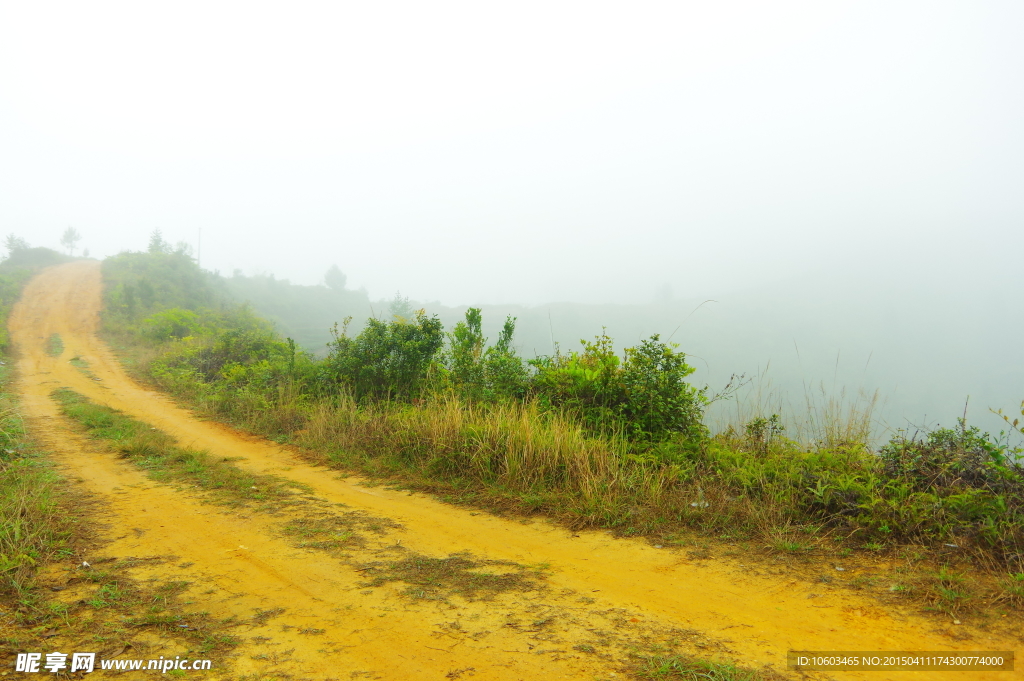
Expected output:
(584, 602)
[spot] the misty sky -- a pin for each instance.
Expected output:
(528, 151)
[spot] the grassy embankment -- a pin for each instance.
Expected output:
(586, 437)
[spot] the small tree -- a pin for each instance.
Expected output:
(70, 239)
(157, 243)
(400, 308)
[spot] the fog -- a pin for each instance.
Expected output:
(842, 179)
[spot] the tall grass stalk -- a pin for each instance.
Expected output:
(840, 420)
(824, 419)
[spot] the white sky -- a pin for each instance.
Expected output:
(521, 152)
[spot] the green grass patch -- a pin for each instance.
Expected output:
(159, 455)
(684, 668)
(54, 345)
(36, 522)
(82, 366)
(1011, 589)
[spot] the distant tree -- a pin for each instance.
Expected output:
(14, 244)
(400, 308)
(70, 239)
(157, 243)
(335, 279)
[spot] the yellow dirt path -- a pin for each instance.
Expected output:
(383, 634)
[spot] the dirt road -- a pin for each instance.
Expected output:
(598, 594)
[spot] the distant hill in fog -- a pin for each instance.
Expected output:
(925, 347)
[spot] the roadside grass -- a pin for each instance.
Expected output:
(158, 454)
(1011, 590)
(38, 520)
(947, 591)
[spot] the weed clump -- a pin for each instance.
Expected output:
(436, 578)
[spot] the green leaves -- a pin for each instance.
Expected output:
(387, 360)
(478, 372)
(646, 396)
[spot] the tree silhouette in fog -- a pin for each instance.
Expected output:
(70, 239)
(335, 279)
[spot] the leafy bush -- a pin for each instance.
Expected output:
(952, 458)
(645, 396)
(387, 360)
(175, 323)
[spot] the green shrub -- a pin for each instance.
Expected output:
(951, 458)
(478, 372)
(645, 396)
(387, 360)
